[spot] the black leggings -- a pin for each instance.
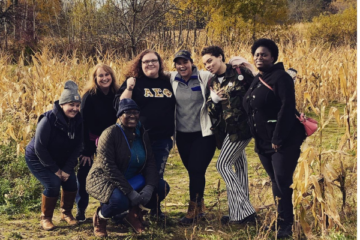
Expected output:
(280, 166)
(196, 153)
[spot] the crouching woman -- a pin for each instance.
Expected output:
(52, 155)
(124, 174)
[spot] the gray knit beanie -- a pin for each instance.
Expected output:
(70, 93)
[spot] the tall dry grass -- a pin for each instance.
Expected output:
(324, 75)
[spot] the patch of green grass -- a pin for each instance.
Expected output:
(14, 235)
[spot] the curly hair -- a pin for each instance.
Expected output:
(91, 85)
(213, 51)
(267, 43)
(134, 68)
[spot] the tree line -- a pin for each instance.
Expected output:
(129, 26)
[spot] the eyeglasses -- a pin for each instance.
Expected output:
(152, 61)
(132, 113)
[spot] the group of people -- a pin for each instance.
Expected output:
(130, 130)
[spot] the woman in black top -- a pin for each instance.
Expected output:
(150, 88)
(98, 114)
(278, 134)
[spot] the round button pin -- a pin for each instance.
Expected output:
(241, 77)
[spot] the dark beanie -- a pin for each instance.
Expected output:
(126, 104)
(70, 93)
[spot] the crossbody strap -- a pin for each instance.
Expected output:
(267, 85)
(301, 117)
(124, 136)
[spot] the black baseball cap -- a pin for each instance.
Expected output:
(183, 54)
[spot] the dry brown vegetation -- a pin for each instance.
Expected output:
(325, 179)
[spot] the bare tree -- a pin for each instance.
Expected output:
(136, 16)
(6, 13)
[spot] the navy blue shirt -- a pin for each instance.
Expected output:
(57, 142)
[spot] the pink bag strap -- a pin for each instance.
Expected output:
(263, 82)
(301, 117)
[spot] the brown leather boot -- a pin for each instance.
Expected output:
(132, 219)
(201, 209)
(141, 213)
(66, 205)
(47, 210)
(99, 224)
(191, 214)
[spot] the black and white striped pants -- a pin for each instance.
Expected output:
(233, 153)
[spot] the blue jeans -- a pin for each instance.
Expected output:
(49, 180)
(161, 149)
(82, 197)
(119, 202)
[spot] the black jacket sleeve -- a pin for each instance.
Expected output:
(86, 111)
(42, 138)
(118, 95)
(284, 89)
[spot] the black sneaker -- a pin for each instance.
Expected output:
(248, 219)
(225, 219)
(80, 215)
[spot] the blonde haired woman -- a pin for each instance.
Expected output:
(98, 114)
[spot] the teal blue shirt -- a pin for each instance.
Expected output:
(138, 155)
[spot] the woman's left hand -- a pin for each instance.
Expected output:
(275, 147)
(64, 176)
(146, 194)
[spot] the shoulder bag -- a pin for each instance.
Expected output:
(310, 124)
